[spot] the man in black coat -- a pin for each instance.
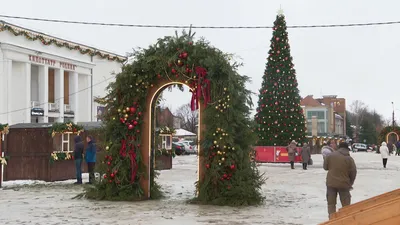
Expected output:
(78, 153)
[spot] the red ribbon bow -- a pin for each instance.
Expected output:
(202, 88)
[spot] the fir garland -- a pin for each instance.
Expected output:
(49, 41)
(60, 156)
(67, 127)
(387, 130)
(166, 130)
(4, 128)
(231, 178)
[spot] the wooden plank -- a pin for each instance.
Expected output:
(390, 221)
(367, 203)
(372, 215)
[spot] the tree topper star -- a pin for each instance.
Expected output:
(280, 11)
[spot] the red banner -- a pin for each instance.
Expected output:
(274, 154)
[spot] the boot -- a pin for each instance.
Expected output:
(292, 165)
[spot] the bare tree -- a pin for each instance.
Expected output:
(358, 109)
(189, 118)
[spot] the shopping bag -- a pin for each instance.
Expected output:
(310, 162)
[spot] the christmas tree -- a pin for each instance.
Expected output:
(279, 117)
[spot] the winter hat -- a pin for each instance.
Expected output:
(293, 142)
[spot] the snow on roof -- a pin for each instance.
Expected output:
(183, 132)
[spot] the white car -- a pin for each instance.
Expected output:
(190, 147)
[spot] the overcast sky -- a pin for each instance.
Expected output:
(357, 63)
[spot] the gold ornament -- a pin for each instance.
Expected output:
(119, 110)
(126, 115)
(215, 142)
(127, 109)
(107, 148)
(124, 111)
(223, 159)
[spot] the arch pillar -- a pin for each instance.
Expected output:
(146, 136)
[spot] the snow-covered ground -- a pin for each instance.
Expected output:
(292, 197)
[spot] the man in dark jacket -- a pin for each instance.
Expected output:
(78, 152)
(90, 157)
(341, 175)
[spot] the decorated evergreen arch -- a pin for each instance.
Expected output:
(227, 175)
(383, 136)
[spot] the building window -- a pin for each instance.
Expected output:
(319, 114)
(321, 127)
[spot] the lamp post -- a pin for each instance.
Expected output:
(393, 116)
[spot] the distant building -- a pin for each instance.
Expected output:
(329, 113)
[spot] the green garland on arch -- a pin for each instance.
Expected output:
(64, 128)
(385, 131)
(231, 178)
(49, 41)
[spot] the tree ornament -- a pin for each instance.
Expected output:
(173, 71)
(130, 127)
(132, 109)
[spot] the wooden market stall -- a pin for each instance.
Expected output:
(164, 152)
(34, 153)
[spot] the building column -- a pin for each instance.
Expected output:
(59, 93)
(44, 93)
(90, 99)
(9, 93)
(74, 95)
(28, 92)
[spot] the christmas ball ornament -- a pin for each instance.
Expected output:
(127, 109)
(107, 148)
(135, 122)
(184, 55)
(278, 71)
(159, 75)
(130, 127)
(173, 71)
(126, 115)
(180, 63)
(232, 167)
(112, 175)
(277, 39)
(132, 110)
(119, 110)
(207, 166)
(105, 176)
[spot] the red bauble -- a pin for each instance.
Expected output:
(130, 127)
(177, 75)
(135, 123)
(278, 71)
(207, 166)
(108, 163)
(110, 181)
(122, 120)
(190, 43)
(137, 131)
(105, 176)
(277, 39)
(133, 109)
(233, 167)
(225, 175)
(112, 175)
(222, 178)
(173, 71)
(169, 64)
(263, 105)
(159, 75)
(184, 55)
(276, 103)
(140, 113)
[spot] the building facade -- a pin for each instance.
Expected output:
(47, 79)
(328, 121)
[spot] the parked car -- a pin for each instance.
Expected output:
(190, 147)
(359, 147)
(179, 148)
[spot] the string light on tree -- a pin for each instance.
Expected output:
(279, 116)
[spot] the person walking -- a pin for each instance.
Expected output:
(90, 158)
(78, 155)
(390, 147)
(305, 155)
(292, 151)
(384, 150)
(327, 149)
(342, 172)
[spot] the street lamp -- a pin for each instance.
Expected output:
(393, 115)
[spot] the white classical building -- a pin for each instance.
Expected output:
(48, 79)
